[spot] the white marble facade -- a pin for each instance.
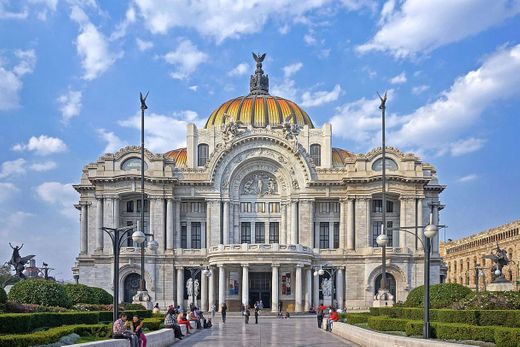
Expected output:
(262, 210)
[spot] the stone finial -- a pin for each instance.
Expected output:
(259, 82)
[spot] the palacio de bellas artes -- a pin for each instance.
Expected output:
(258, 201)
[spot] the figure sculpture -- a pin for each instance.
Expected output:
(326, 287)
(500, 259)
(18, 262)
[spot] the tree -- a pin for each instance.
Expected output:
(6, 277)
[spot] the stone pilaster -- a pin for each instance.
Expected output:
(221, 285)
(298, 293)
(350, 225)
(275, 287)
(225, 222)
(203, 292)
(180, 286)
(339, 288)
(308, 290)
(177, 224)
(99, 224)
(169, 225)
(316, 291)
(294, 222)
(83, 248)
(245, 284)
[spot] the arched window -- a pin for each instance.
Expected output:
(203, 154)
(316, 154)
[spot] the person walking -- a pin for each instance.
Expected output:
(257, 311)
(319, 316)
(223, 312)
(246, 314)
(213, 309)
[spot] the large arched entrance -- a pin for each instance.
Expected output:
(131, 286)
(390, 284)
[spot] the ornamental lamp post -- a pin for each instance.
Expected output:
(194, 271)
(331, 271)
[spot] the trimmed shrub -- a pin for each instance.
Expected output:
(153, 323)
(80, 294)
(105, 316)
(3, 296)
(140, 313)
(54, 334)
(92, 307)
(383, 323)
(39, 292)
(415, 328)
(490, 301)
(452, 316)
(507, 318)
(20, 322)
(132, 307)
(507, 337)
(14, 323)
(355, 318)
(101, 296)
(442, 295)
(14, 307)
(457, 331)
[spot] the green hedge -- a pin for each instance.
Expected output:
(383, 323)
(3, 296)
(457, 331)
(355, 318)
(507, 337)
(441, 295)
(101, 296)
(80, 294)
(54, 334)
(508, 318)
(40, 292)
(25, 322)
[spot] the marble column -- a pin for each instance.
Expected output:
(402, 222)
(203, 292)
(420, 223)
(294, 222)
(225, 222)
(208, 224)
(221, 285)
(180, 286)
(311, 223)
(116, 212)
(342, 219)
(169, 224)
(308, 289)
(245, 284)
(211, 289)
(435, 239)
(99, 224)
(283, 225)
(339, 288)
(350, 225)
(177, 224)
(316, 291)
(83, 229)
(298, 302)
(275, 288)
(369, 223)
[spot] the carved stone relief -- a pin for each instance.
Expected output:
(259, 183)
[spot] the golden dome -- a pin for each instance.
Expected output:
(259, 111)
(340, 156)
(179, 156)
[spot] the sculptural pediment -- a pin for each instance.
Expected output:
(259, 183)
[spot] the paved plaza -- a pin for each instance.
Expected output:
(270, 331)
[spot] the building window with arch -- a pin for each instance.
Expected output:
(316, 154)
(202, 154)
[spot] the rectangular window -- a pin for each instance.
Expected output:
(259, 232)
(260, 207)
(274, 232)
(389, 206)
(245, 232)
(323, 207)
(184, 235)
(334, 206)
(203, 154)
(324, 235)
(377, 206)
(184, 207)
(130, 206)
(196, 207)
(245, 207)
(336, 235)
(196, 235)
(129, 241)
(274, 207)
(376, 230)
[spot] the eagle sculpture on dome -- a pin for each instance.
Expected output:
(259, 58)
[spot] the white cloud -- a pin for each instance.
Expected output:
(399, 79)
(416, 26)
(465, 146)
(13, 167)
(46, 7)
(114, 143)
(92, 46)
(420, 89)
(468, 178)
(159, 129)
(70, 105)
(12, 225)
(221, 19)
(123, 26)
(371, 73)
(62, 196)
(438, 126)
(143, 45)
(356, 5)
(309, 39)
(320, 97)
(239, 70)
(43, 166)
(193, 88)
(186, 58)
(11, 78)
(42, 145)
(290, 70)
(7, 190)
(6, 13)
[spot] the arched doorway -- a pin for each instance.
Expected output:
(131, 286)
(390, 284)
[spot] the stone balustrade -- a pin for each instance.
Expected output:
(260, 247)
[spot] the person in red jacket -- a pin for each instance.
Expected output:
(333, 317)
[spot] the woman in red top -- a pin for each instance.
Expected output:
(181, 319)
(333, 317)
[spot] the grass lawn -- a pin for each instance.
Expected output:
(90, 338)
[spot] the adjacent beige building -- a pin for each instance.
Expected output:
(463, 257)
(261, 197)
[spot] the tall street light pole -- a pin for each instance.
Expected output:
(142, 284)
(382, 107)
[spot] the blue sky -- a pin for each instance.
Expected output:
(71, 72)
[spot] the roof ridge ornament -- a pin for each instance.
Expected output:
(259, 82)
